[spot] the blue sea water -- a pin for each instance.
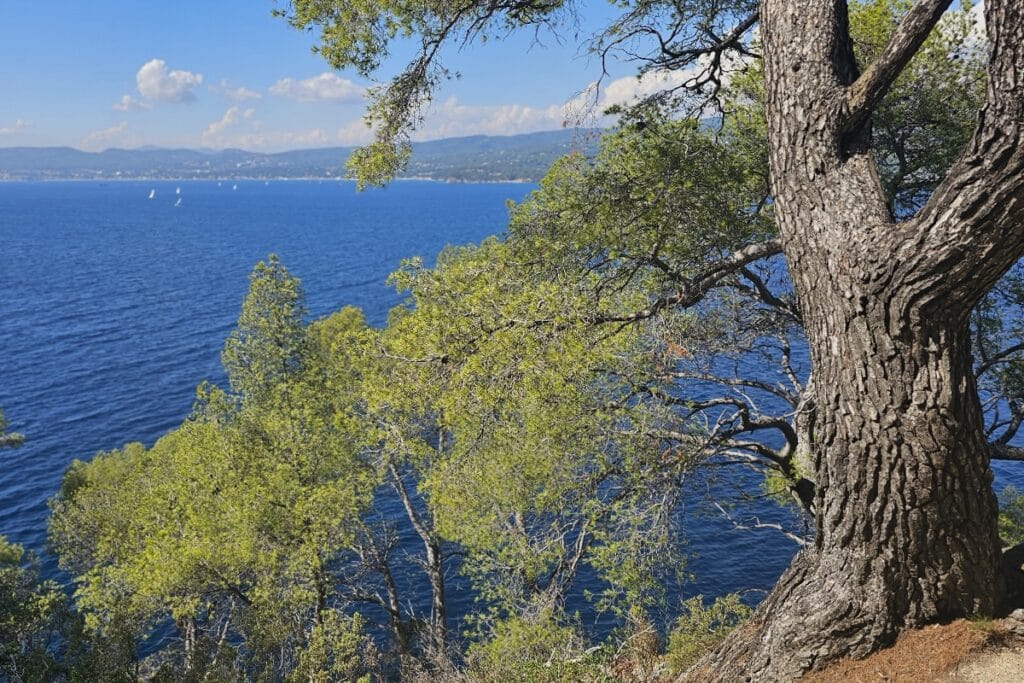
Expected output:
(113, 307)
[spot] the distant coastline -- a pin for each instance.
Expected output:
(253, 179)
(478, 159)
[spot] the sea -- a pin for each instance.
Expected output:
(115, 305)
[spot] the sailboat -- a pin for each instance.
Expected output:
(152, 194)
(235, 186)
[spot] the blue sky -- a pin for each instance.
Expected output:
(225, 73)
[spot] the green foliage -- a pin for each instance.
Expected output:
(33, 615)
(512, 408)
(656, 204)
(930, 112)
(42, 638)
(265, 348)
(334, 651)
(534, 649)
(1011, 516)
(232, 523)
(701, 628)
(359, 35)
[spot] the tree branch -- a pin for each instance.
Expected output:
(758, 524)
(972, 228)
(403, 493)
(868, 90)
(693, 290)
(1000, 452)
(1003, 356)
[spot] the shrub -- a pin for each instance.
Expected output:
(701, 628)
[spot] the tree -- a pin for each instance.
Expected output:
(266, 345)
(905, 518)
(234, 526)
(33, 614)
(530, 446)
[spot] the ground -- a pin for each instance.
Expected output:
(958, 652)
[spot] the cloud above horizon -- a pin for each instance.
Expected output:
(17, 126)
(239, 128)
(327, 87)
(452, 118)
(233, 93)
(106, 137)
(129, 103)
(157, 83)
(234, 115)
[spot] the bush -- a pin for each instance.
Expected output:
(1011, 516)
(701, 628)
(535, 649)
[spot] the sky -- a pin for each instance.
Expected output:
(226, 73)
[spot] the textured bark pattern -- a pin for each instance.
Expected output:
(905, 514)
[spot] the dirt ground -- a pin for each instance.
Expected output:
(959, 652)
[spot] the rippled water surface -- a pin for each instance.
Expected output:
(114, 306)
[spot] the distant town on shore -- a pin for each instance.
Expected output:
(467, 159)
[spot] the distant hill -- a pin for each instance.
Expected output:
(470, 159)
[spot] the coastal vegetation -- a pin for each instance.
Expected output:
(817, 285)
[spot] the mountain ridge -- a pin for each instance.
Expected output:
(475, 158)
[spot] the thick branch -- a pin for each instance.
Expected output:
(693, 290)
(1000, 452)
(867, 91)
(972, 229)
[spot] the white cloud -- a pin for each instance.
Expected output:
(454, 119)
(235, 94)
(105, 137)
(256, 139)
(19, 125)
(326, 87)
(591, 103)
(157, 83)
(628, 90)
(354, 133)
(231, 118)
(240, 128)
(129, 103)
(315, 137)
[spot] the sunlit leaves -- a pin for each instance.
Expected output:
(266, 345)
(232, 521)
(359, 34)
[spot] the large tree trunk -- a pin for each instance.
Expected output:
(905, 513)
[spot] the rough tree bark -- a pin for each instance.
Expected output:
(905, 513)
